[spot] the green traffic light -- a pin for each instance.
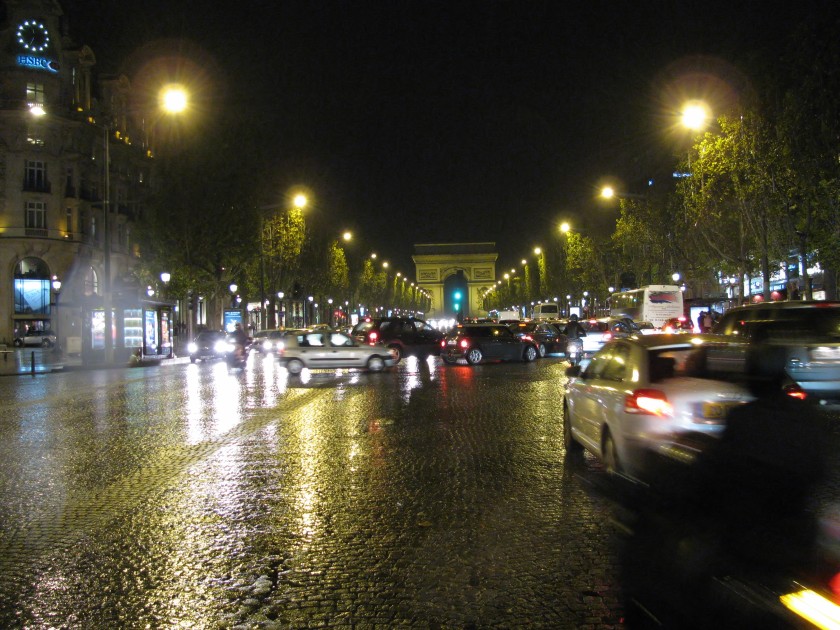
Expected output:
(457, 295)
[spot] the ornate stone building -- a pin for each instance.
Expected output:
(66, 215)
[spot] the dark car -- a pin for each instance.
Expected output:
(486, 342)
(806, 333)
(547, 336)
(209, 344)
(405, 335)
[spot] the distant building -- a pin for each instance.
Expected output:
(58, 206)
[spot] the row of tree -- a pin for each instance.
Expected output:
(762, 190)
(209, 227)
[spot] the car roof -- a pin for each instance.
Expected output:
(661, 341)
(790, 304)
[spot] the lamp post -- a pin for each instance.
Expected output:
(56, 285)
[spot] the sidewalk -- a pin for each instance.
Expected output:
(14, 361)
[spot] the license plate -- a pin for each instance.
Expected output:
(717, 410)
(451, 342)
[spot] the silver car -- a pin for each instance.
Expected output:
(639, 391)
(325, 349)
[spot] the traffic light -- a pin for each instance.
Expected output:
(457, 297)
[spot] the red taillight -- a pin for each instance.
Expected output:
(794, 391)
(527, 337)
(464, 344)
(668, 329)
(648, 401)
(607, 336)
(443, 343)
(373, 336)
(834, 585)
(681, 319)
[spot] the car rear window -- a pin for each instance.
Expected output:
(363, 327)
(595, 326)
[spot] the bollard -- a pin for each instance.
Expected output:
(32, 361)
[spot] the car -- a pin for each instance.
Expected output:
(324, 349)
(807, 333)
(678, 325)
(547, 336)
(268, 341)
(42, 338)
(405, 335)
(208, 344)
(597, 334)
(476, 343)
(639, 391)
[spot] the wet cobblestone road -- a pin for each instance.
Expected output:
(186, 496)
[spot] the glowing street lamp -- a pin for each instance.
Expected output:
(173, 99)
(565, 227)
(694, 115)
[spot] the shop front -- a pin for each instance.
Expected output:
(141, 330)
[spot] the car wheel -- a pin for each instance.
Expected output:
(398, 353)
(376, 364)
(609, 455)
(573, 447)
(542, 350)
(192, 359)
(530, 354)
(474, 356)
(294, 366)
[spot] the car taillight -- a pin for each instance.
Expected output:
(527, 337)
(607, 336)
(795, 391)
(464, 344)
(443, 343)
(373, 336)
(648, 401)
(668, 329)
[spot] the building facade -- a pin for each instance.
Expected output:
(74, 177)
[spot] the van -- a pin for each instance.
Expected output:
(546, 310)
(504, 317)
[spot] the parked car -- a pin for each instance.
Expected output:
(476, 343)
(680, 324)
(806, 332)
(324, 349)
(547, 336)
(641, 390)
(208, 344)
(405, 335)
(42, 338)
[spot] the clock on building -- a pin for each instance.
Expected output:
(33, 36)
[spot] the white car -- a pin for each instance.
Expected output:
(639, 391)
(42, 338)
(326, 349)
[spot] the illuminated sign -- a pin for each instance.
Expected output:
(41, 63)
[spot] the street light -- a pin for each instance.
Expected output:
(694, 115)
(56, 285)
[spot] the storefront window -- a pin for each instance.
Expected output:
(32, 287)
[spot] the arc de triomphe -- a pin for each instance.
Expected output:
(468, 268)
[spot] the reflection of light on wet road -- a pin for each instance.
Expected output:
(306, 493)
(213, 402)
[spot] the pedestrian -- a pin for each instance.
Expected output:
(708, 322)
(700, 321)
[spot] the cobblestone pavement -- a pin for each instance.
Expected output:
(190, 496)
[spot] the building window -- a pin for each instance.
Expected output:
(35, 176)
(91, 282)
(34, 135)
(32, 287)
(93, 235)
(69, 182)
(35, 94)
(69, 221)
(36, 218)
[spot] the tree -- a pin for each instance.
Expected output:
(201, 224)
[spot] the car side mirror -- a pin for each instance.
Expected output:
(573, 370)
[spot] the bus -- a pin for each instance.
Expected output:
(656, 303)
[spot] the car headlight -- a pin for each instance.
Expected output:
(267, 345)
(192, 348)
(223, 346)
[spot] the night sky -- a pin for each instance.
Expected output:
(423, 121)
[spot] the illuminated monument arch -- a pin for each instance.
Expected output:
(456, 275)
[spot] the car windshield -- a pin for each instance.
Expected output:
(802, 323)
(363, 327)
